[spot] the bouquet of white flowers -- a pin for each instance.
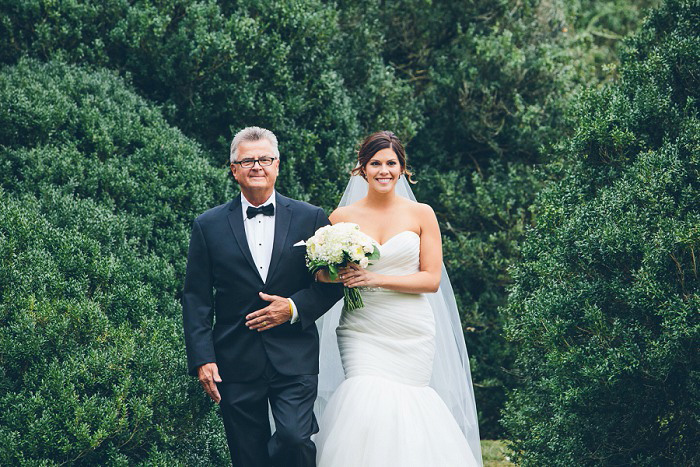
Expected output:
(333, 247)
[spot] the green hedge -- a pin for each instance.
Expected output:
(216, 68)
(605, 311)
(97, 196)
(88, 135)
(476, 88)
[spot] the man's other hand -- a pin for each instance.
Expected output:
(208, 376)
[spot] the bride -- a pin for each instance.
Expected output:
(406, 398)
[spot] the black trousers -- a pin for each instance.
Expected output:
(244, 407)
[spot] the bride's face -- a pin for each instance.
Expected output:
(383, 170)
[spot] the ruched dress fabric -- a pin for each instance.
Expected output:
(384, 413)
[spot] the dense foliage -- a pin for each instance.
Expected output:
(97, 196)
(605, 310)
(100, 180)
(217, 68)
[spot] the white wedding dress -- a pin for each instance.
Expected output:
(384, 413)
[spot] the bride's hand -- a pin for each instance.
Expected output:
(356, 276)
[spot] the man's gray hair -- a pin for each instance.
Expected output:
(253, 133)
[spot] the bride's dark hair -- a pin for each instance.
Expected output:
(375, 143)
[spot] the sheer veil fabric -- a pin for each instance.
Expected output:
(451, 377)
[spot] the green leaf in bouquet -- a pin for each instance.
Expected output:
(333, 271)
(374, 254)
(315, 265)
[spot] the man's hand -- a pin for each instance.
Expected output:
(208, 376)
(274, 314)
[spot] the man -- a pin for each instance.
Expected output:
(263, 345)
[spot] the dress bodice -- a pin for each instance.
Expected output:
(398, 256)
(392, 335)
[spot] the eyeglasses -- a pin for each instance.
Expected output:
(264, 161)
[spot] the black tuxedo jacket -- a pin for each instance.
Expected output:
(222, 285)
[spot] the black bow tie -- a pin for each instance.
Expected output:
(267, 210)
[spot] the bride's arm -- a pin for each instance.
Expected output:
(427, 280)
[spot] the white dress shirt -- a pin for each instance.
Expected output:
(260, 234)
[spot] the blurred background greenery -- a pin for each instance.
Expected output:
(530, 125)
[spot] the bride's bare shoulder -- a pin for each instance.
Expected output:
(415, 208)
(343, 213)
(423, 213)
(423, 209)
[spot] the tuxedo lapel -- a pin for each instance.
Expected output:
(283, 217)
(235, 220)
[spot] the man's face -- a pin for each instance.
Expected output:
(256, 179)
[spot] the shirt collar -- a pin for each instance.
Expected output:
(245, 203)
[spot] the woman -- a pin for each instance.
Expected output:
(385, 412)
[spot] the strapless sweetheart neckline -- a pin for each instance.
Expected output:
(393, 237)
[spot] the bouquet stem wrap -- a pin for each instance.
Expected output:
(352, 300)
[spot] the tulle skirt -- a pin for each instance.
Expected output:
(384, 413)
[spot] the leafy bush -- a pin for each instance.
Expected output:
(476, 88)
(605, 307)
(217, 68)
(97, 195)
(86, 134)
